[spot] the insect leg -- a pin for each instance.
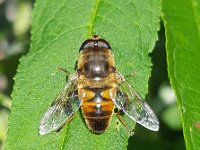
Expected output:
(130, 131)
(132, 74)
(66, 71)
(68, 120)
(122, 79)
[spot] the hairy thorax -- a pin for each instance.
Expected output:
(96, 68)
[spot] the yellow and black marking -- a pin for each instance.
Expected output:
(97, 110)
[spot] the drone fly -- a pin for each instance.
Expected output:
(97, 87)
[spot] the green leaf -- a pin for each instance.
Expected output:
(182, 23)
(58, 29)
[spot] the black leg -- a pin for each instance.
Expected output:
(66, 71)
(132, 74)
(68, 120)
(119, 116)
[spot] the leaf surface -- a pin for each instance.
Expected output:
(58, 29)
(182, 23)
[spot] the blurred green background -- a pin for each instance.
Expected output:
(15, 21)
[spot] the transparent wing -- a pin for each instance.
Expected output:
(128, 100)
(62, 109)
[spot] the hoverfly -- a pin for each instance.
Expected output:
(97, 87)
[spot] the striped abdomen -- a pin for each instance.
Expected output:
(97, 108)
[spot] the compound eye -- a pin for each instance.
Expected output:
(86, 44)
(104, 44)
(92, 43)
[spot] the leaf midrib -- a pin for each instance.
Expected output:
(92, 20)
